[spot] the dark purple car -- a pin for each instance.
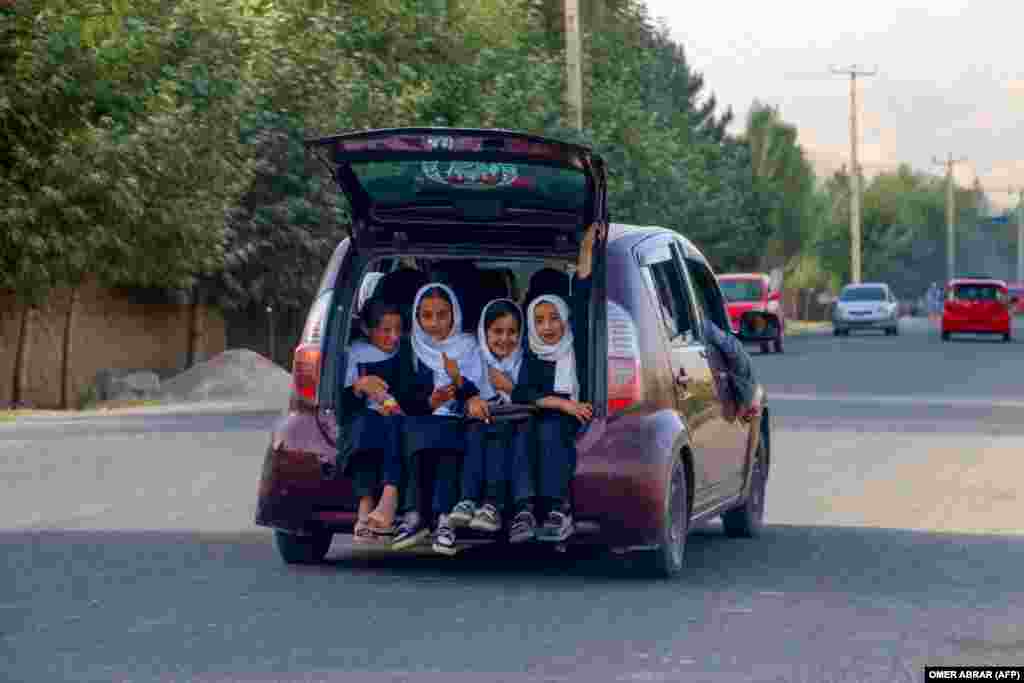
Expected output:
(663, 451)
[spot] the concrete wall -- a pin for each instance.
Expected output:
(112, 329)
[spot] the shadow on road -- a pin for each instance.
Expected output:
(784, 558)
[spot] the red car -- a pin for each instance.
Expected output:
(977, 306)
(663, 452)
(752, 292)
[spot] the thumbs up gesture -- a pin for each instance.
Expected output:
(452, 368)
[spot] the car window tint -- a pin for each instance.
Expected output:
(670, 293)
(742, 290)
(709, 299)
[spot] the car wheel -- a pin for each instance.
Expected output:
(766, 347)
(945, 336)
(1007, 337)
(746, 520)
(896, 330)
(666, 561)
(836, 332)
(778, 344)
(295, 549)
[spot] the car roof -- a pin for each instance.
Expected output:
(743, 276)
(977, 281)
(857, 285)
(629, 235)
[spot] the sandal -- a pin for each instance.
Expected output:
(362, 533)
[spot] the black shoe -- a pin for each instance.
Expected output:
(444, 539)
(557, 527)
(524, 527)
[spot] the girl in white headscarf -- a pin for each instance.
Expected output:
(551, 380)
(448, 372)
(488, 466)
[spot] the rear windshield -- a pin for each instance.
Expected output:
(741, 290)
(422, 181)
(976, 292)
(863, 294)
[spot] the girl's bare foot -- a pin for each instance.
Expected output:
(382, 519)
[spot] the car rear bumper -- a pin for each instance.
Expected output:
(864, 323)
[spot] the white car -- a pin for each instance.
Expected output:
(868, 305)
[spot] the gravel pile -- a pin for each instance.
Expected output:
(234, 375)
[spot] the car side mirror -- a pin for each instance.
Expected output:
(756, 326)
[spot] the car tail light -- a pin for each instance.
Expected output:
(624, 382)
(306, 361)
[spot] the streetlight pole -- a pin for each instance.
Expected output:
(950, 214)
(573, 65)
(855, 185)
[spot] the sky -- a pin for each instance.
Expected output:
(950, 78)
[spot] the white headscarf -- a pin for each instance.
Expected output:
(508, 365)
(459, 346)
(367, 288)
(562, 353)
(363, 352)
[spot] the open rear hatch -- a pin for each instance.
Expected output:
(445, 187)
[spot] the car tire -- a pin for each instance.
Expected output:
(945, 336)
(837, 332)
(747, 519)
(1007, 337)
(295, 549)
(778, 344)
(666, 561)
(766, 347)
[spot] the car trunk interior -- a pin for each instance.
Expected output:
(476, 280)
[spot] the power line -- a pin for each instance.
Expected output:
(855, 169)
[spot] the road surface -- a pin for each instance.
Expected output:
(895, 538)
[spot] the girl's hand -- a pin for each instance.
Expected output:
(441, 396)
(581, 411)
(370, 385)
(500, 380)
(389, 408)
(452, 368)
(477, 408)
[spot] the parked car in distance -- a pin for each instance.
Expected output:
(978, 306)
(865, 306)
(752, 292)
(661, 453)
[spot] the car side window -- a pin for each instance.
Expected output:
(706, 294)
(665, 279)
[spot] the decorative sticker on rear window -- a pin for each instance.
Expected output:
(471, 174)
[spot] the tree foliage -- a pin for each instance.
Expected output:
(158, 143)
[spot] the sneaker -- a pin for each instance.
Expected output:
(524, 528)
(557, 527)
(411, 532)
(444, 539)
(487, 518)
(462, 514)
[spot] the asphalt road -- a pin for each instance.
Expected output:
(895, 539)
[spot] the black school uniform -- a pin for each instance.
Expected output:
(497, 460)
(369, 443)
(426, 433)
(553, 447)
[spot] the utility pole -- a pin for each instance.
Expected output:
(573, 65)
(855, 185)
(950, 214)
